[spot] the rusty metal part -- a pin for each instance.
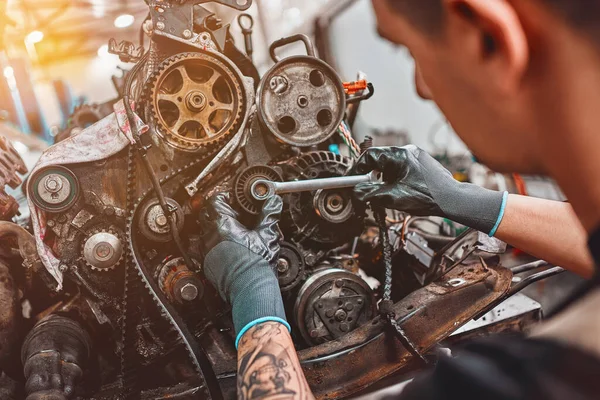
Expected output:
(196, 100)
(301, 100)
(25, 243)
(244, 183)
(103, 249)
(10, 314)
(290, 267)
(178, 283)
(332, 303)
(11, 164)
(154, 224)
(336, 369)
(54, 189)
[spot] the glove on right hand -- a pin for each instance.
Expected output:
(414, 182)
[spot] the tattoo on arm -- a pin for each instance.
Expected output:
(268, 366)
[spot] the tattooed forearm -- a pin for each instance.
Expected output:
(268, 367)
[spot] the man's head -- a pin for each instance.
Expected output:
(503, 71)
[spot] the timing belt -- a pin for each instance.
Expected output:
(137, 277)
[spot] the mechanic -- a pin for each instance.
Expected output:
(518, 80)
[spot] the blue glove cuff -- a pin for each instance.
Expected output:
(500, 215)
(260, 321)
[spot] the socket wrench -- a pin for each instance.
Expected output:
(263, 189)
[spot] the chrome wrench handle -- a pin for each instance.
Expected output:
(263, 189)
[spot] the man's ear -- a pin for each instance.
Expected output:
(500, 40)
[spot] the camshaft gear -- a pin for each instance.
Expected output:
(102, 249)
(196, 100)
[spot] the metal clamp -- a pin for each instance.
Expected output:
(263, 189)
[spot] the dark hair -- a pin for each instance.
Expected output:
(429, 14)
(425, 14)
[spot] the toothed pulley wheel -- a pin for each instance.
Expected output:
(196, 100)
(243, 186)
(103, 249)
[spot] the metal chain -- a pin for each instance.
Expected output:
(386, 305)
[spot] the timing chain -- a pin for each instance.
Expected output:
(386, 305)
(136, 278)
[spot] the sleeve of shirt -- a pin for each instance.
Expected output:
(510, 368)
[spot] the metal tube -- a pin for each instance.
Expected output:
(263, 189)
(528, 267)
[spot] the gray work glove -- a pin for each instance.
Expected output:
(414, 182)
(241, 263)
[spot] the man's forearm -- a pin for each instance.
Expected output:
(268, 366)
(549, 230)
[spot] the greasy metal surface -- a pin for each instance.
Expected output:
(197, 100)
(103, 250)
(9, 313)
(11, 164)
(359, 359)
(331, 303)
(301, 101)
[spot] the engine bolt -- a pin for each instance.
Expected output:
(161, 220)
(359, 301)
(349, 307)
(341, 315)
(339, 283)
(344, 327)
(329, 314)
(314, 333)
(160, 25)
(53, 183)
(189, 292)
(187, 34)
(283, 266)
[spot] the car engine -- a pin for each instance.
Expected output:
(110, 266)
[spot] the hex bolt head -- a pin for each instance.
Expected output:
(160, 25)
(349, 306)
(314, 333)
(161, 220)
(187, 34)
(339, 283)
(283, 266)
(341, 315)
(329, 314)
(344, 327)
(189, 292)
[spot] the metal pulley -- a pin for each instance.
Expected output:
(301, 100)
(332, 303)
(178, 283)
(54, 189)
(154, 224)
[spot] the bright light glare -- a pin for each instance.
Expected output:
(35, 37)
(9, 72)
(19, 147)
(103, 51)
(124, 20)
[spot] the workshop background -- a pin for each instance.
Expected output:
(55, 59)
(57, 54)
